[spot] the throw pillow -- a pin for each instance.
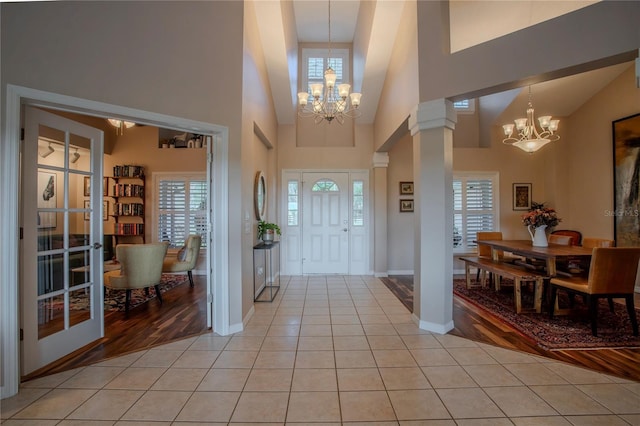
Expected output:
(182, 254)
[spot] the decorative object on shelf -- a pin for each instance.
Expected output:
(529, 138)
(539, 218)
(626, 168)
(267, 231)
(406, 188)
(328, 103)
(120, 125)
(521, 196)
(260, 195)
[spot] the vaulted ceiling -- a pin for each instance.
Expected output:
(371, 25)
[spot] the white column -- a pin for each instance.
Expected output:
(431, 125)
(380, 166)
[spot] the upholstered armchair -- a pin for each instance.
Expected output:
(140, 267)
(612, 274)
(186, 259)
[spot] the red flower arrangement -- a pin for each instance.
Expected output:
(540, 215)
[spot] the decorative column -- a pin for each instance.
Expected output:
(431, 125)
(379, 193)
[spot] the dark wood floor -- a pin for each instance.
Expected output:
(183, 314)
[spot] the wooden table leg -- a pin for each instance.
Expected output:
(517, 294)
(537, 301)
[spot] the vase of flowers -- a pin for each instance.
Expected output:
(538, 220)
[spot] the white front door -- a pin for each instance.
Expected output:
(62, 256)
(325, 223)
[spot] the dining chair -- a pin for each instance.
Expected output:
(140, 267)
(563, 240)
(186, 258)
(612, 274)
(575, 235)
(597, 242)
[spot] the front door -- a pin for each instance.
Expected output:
(325, 223)
(62, 258)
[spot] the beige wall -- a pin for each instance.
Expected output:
(182, 59)
(590, 155)
(400, 227)
(257, 110)
(400, 91)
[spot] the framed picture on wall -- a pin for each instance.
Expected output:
(406, 188)
(87, 186)
(87, 213)
(105, 210)
(47, 199)
(521, 196)
(626, 184)
(406, 206)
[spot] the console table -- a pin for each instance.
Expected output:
(266, 271)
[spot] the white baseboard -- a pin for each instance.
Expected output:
(380, 275)
(433, 327)
(400, 272)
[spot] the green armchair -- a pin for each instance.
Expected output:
(140, 267)
(186, 259)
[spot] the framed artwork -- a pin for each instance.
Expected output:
(87, 207)
(626, 181)
(406, 188)
(521, 196)
(87, 186)
(47, 199)
(105, 187)
(105, 210)
(406, 206)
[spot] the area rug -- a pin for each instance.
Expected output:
(559, 333)
(114, 299)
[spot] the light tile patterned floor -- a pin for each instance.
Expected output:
(328, 350)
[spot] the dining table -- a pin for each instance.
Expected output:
(550, 255)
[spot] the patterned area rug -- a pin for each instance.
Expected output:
(559, 333)
(114, 299)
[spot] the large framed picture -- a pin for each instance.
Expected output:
(626, 181)
(521, 196)
(47, 199)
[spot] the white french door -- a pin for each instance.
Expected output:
(62, 257)
(325, 223)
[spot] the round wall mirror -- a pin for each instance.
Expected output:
(260, 196)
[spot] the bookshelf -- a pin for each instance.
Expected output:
(128, 207)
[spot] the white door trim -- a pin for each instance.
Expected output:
(9, 224)
(295, 268)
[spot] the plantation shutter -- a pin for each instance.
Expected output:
(474, 210)
(181, 209)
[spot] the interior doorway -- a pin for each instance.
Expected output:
(217, 178)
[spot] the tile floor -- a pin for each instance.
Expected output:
(329, 350)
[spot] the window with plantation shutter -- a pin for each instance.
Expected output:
(181, 208)
(315, 62)
(475, 208)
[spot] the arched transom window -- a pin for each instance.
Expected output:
(325, 185)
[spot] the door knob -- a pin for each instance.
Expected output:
(345, 229)
(97, 246)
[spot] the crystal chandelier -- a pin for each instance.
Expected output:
(328, 103)
(529, 139)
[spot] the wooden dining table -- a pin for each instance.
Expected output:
(549, 254)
